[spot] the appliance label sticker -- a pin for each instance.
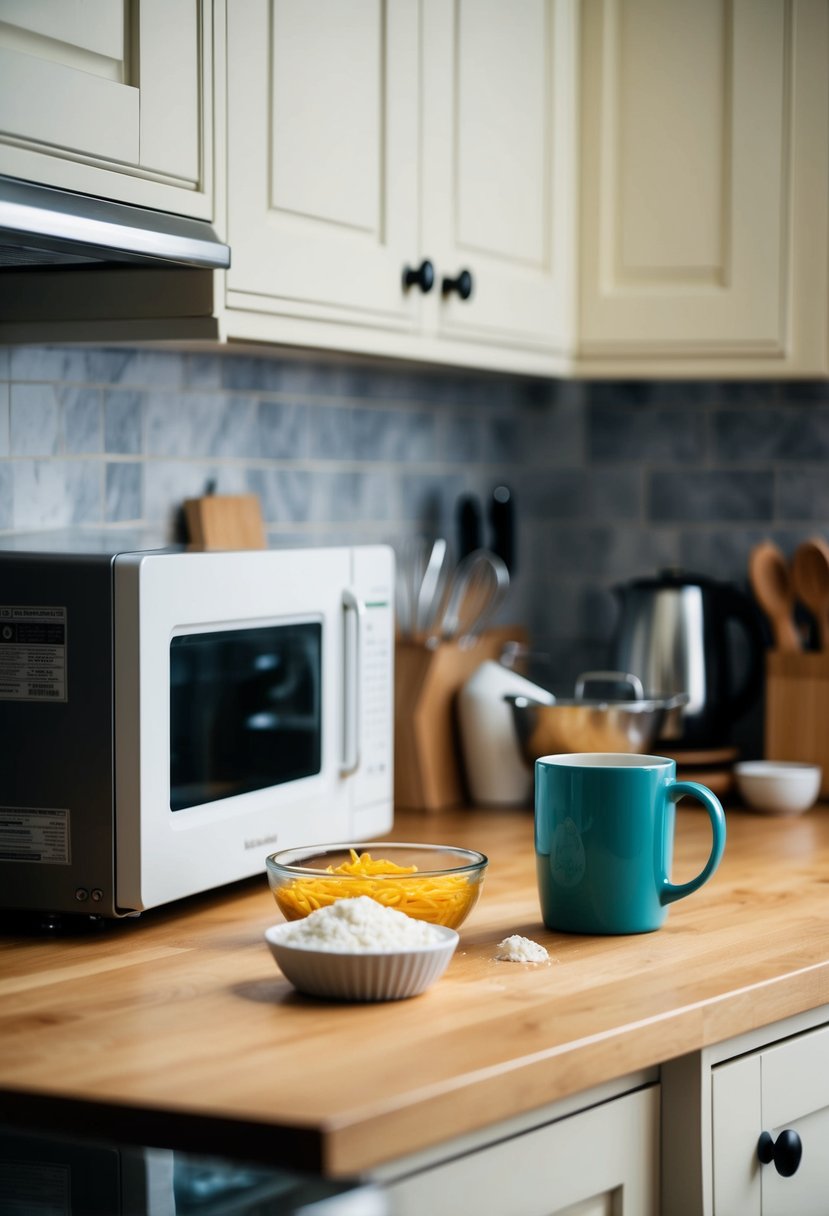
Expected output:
(32, 653)
(34, 834)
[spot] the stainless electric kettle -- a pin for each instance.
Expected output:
(677, 633)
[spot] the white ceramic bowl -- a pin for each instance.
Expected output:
(781, 787)
(376, 976)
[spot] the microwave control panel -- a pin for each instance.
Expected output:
(374, 583)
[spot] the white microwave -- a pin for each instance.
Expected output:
(170, 717)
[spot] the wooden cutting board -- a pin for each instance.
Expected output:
(225, 521)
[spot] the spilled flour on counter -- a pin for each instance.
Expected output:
(518, 949)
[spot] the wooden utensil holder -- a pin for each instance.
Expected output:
(428, 774)
(797, 709)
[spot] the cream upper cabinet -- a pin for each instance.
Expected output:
(366, 138)
(497, 162)
(322, 172)
(632, 187)
(111, 99)
(703, 185)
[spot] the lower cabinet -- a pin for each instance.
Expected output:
(745, 1124)
(598, 1161)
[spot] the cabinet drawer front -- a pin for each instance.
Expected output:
(600, 1161)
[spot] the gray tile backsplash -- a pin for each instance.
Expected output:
(611, 480)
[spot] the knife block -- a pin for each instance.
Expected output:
(428, 773)
(797, 709)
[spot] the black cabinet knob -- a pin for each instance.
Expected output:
(423, 277)
(785, 1151)
(462, 285)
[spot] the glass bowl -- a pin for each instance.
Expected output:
(433, 882)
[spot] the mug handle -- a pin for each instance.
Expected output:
(672, 891)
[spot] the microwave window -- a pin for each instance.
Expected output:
(245, 711)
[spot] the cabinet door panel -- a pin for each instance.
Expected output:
(322, 156)
(683, 153)
(108, 83)
(496, 96)
(602, 1161)
(785, 1086)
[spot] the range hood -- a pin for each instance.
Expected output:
(41, 226)
(82, 269)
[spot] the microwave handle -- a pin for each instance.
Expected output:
(353, 611)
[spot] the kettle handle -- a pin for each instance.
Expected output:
(740, 608)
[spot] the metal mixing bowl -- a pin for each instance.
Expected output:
(588, 724)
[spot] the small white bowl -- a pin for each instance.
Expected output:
(781, 787)
(364, 976)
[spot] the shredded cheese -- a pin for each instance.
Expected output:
(444, 899)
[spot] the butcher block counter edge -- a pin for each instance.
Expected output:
(185, 1034)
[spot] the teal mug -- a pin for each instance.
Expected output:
(604, 836)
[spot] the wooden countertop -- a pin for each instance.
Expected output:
(178, 1029)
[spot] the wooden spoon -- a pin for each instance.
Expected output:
(771, 583)
(810, 574)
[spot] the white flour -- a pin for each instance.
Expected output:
(359, 925)
(517, 949)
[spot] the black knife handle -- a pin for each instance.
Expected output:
(502, 522)
(469, 525)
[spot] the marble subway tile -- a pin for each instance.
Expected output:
(282, 430)
(56, 493)
(82, 420)
(351, 496)
(804, 494)
(553, 495)
(616, 494)
(285, 494)
(604, 552)
(396, 436)
(705, 495)
(202, 371)
(621, 433)
(6, 496)
(461, 438)
(5, 442)
(201, 424)
(763, 435)
(122, 494)
(330, 432)
(168, 482)
(34, 420)
(124, 422)
(5, 363)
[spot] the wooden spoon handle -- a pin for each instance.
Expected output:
(770, 581)
(810, 575)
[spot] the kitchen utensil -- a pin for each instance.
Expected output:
(502, 524)
(477, 590)
(432, 586)
(412, 560)
(433, 882)
(777, 786)
(810, 576)
(771, 582)
(675, 632)
(496, 774)
(604, 830)
(582, 724)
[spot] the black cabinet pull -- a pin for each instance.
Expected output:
(462, 285)
(785, 1151)
(423, 277)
